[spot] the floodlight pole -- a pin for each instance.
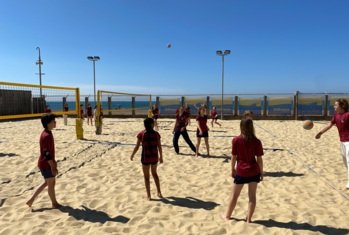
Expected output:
(39, 62)
(222, 54)
(94, 59)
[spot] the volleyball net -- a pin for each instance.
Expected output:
(28, 100)
(118, 103)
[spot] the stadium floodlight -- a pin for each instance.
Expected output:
(94, 59)
(39, 62)
(222, 54)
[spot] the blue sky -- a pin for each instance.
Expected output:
(277, 46)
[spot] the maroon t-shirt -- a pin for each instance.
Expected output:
(246, 152)
(181, 121)
(155, 113)
(47, 145)
(341, 120)
(202, 122)
(213, 113)
(150, 142)
(89, 111)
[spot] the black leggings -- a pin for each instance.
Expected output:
(186, 138)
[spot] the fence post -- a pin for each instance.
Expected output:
(326, 106)
(64, 101)
(157, 102)
(133, 106)
(109, 105)
(295, 105)
(182, 101)
(236, 105)
(86, 103)
(265, 106)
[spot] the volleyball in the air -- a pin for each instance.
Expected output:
(169, 45)
(308, 124)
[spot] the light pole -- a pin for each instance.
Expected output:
(94, 59)
(39, 62)
(222, 54)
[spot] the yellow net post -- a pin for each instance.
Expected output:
(78, 127)
(99, 115)
(150, 110)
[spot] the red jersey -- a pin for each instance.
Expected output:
(202, 122)
(213, 113)
(155, 113)
(47, 150)
(181, 121)
(246, 152)
(89, 111)
(341, 120)
(150, 142)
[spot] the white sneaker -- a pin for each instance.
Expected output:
(347, 187)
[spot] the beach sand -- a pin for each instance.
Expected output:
(103, 191)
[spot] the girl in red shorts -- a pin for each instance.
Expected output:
(247, 151)
(151, 146)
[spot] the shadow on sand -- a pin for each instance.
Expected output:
(189, 202)
(8, 154)
(281, 174)
(88, 214)
(303, 226)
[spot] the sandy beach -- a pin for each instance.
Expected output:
(103, 191)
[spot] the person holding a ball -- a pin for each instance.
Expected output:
(341, 120)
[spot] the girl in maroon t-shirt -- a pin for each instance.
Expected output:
(155, 114)
(202, 130)
(341, 120)
(47, 162)
(89, 114)
(247, 152)
(151, 145)
(214, 116)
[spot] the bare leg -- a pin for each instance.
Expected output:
(207, 146)
(156, 179)
(252, 189)
(197, 146)
(51, 183)
(233, 199)
(217, 123)
(345, 156)
(156, 125)
(212, 122)
(146, 169)
(36, 193)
